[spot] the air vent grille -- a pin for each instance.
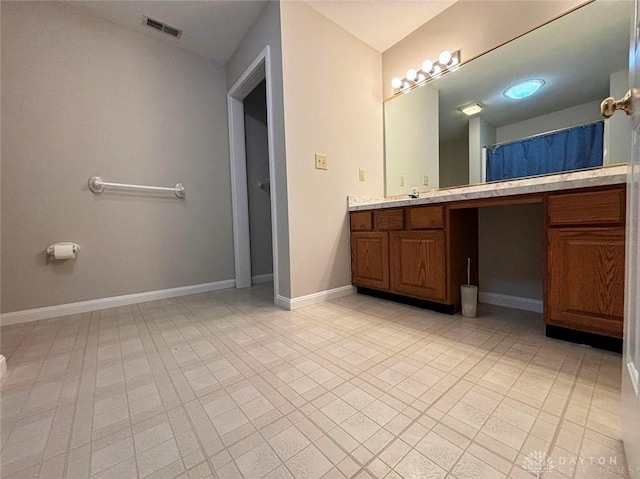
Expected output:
(152, 23)
(161, 26)
(171, 31)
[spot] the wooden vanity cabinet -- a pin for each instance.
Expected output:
(408, 251)
(586, 261)
(421, 252)
(370, 246)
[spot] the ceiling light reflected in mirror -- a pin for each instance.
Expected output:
(524, 89)
(472, 109)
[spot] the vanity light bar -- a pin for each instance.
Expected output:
(446, 61)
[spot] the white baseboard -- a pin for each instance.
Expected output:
(104, 303)
(309, 299)
(3, 365)
(515, 302)
(262, 278)
(283, 302)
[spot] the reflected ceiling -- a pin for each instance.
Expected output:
(574, 55)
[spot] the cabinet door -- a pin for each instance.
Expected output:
(586, 279)
(370, 259)
(418, 264)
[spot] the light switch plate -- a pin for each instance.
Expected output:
(321, 162)
(425, 180)
(401, 180)
(361, 174)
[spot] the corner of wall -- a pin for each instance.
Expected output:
(266, 30)
(343, 123)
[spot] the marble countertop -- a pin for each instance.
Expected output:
(609, 175)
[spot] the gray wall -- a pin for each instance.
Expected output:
(266, 31)
(81, 97)
(454, 162)
(257, 151)
(511, 242)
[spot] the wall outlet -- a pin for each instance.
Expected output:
(401, 180)
(361, 174)
(425, 180)
(321, 162)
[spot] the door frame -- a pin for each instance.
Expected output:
(258, 70)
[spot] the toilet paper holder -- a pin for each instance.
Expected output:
(76, 247)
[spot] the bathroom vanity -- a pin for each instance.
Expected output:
(416, 250)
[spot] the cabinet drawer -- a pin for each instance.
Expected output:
(361, 220)
(388, 219)
(426, 217)
(592, 208)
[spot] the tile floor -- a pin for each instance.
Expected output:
(227, 385)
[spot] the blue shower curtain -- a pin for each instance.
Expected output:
(571, 149)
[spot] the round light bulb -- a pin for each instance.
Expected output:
(427, 66)
(445, 57)
(412, 74)
(396, 82)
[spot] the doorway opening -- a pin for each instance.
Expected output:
(253, 179)
(258, 184)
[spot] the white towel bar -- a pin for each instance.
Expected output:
(97, 185)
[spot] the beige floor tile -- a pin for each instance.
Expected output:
(470, 467)
(338, 410)
(395, 452)
(444, 453)
(310, 463)
(258, 462)
(416, 465)
(109, 456)
(354, 387)
(288, 443)
(360, 427)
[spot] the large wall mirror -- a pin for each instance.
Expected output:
(581, 57)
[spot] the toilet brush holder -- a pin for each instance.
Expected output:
(469, 299)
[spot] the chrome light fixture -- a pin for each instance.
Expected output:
(446, 61)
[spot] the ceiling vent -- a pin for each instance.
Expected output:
(161, 26)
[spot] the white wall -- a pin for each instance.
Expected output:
(481, 135)
(266, 31)
(574, 116)
(454, 162)
(412, 116)
(257, 152)
(617, 129)
(333, 105)
(82, 96)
